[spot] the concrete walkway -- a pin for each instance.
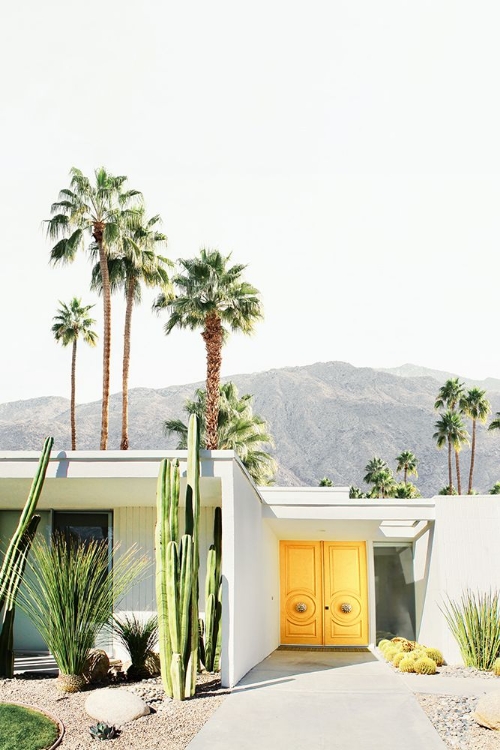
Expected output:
(303, 700)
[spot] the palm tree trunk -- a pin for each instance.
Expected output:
(450, 476)
(126, 361)
(212, 336)
(405, 474)
(73, 396)
(459, 481)
(106, 354)
(472, 455)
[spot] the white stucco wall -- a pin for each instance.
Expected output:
(465, 554)
(250, 562)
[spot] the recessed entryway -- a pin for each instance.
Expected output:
(324, 598)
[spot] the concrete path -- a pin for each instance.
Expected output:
(302, 700)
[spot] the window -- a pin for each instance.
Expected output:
(394, 591)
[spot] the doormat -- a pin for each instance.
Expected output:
(346, 649)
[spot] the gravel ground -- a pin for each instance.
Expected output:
(171, 727)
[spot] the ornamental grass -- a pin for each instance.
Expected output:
(70, 594)
(474, 621)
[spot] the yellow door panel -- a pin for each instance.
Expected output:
(345, 594)
(301, 593)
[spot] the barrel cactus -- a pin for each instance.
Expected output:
(398, 658)
(435, 655)
(407, 664)
(424, 665)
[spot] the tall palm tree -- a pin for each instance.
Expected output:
(136, 262)
(239, 429)
(212, 296)
(476, 406)
(407, 463)
(406, 491)
(448, 397)
(98, 210)
(372, 468)
(450, 431)
(71, 323)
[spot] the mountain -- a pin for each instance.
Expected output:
(415, 371)
(328, 419)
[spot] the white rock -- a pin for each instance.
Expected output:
(487, 711)
(115, 706)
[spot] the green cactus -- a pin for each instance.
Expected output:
(424, 665)
(213, 598)
(435, 655)
(177, 566)
(398, 658)
(14, 562)
(407, 664)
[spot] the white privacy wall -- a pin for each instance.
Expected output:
(465, 554)
(250, 562)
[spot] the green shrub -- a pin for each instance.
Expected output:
(424, 665)
(138, 638)
(474, 621)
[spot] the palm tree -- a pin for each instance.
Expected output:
(355, 493)
(449, 398)
(71, 323)
(136, 262)
(495, 423)
(383, 484)
(325, 482)
(373, 467)
(239, 429)
(476, 406)
(99, 210)
(212, 296)
(450, 431)
(495, 490)
(407, 462)
(406, 491)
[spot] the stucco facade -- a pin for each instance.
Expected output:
(435, 547)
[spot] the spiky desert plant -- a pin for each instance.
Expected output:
(384, 642)
(70, 597)
(14, 562)
(424, 665)
(407, 645)
(496, 667)
(435, 655)
(177, 566)
(398, 658)
(213, 598)
(407, 664)
(474, 621)
(390, 652)
(138, 637)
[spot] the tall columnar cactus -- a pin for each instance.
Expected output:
(14, 562)
(177, 565)
(213, 598)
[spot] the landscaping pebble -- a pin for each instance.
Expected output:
(170, 726)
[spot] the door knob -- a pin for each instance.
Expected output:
(327, 607)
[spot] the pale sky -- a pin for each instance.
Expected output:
(348, 152)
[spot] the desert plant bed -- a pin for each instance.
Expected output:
(25, 728)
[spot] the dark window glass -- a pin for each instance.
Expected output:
(394, 592)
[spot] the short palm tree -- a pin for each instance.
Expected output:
(373, 467)
(476, 406)
(211, 295)
(325, 482)
(450, 431)
(495, 490)
(71, 323)
(98, 210)
(449, 394)
(406, 491)
(136, 262)
(356, 493)
(383, 484)
(239, 429)
(407, 463)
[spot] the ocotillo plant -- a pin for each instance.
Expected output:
(213, 598)
(14, 562)
(177, 565)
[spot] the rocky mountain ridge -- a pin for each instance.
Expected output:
(328, 419)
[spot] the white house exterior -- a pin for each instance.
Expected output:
(410, 553)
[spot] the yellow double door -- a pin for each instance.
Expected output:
(324, 597)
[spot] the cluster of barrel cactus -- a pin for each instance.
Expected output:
(14, 562)
(410, 656)
(177, 565)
